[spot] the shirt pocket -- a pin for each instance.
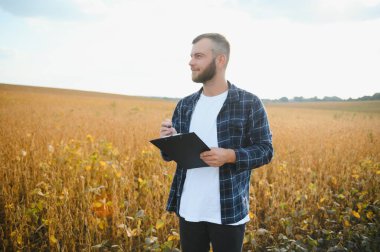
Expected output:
(237, 130)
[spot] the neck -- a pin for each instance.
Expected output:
(215, 87)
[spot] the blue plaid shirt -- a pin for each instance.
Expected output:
(242, 125)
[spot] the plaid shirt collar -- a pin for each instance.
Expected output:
(233, 94)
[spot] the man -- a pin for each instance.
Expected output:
(213, 202)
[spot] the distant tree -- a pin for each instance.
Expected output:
(332, 98)
(298, 98)
(284, 99)
(267, 100)
(376, 96)
(313, 99)
(365, 98)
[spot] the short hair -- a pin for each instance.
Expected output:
(221, 44)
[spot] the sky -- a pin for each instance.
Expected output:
(279, 48)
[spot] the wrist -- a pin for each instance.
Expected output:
(231, 156)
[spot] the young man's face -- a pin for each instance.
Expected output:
(202, 63)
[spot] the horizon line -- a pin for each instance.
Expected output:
(164, 97)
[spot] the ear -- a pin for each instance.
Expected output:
(221, 60)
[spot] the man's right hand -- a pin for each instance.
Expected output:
(167, 129)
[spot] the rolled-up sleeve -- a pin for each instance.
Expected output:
(260, 150)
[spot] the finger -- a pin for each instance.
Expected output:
(165, 132)
(205, 153)
(207, 162)
(166, 123)
(165, 129)
(208, 159)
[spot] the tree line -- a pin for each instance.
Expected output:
(374, 97)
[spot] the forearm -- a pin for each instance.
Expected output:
(230, 156)
(253, 156)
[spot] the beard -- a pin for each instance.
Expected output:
(207, 74)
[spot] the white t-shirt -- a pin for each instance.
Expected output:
(200, 200)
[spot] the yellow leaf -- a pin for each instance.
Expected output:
(9, 206)
(160, 224)
(360, 206)
(346, 223)
(90, 138)
(52, 239)
(305, 226)
(135, 232)
(356, 214)
(378, 172)
(341, 196)
(369, 215)
(142, 182)
(246, 239)
(19, 239)
(173, 237)
(97, 204)
(101, 225)
(251, 215)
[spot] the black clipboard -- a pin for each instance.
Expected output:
(183, 148)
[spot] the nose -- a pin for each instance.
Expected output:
(191, 63)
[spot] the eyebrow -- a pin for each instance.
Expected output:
(197, 54)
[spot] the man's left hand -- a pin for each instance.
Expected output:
(217, 157)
